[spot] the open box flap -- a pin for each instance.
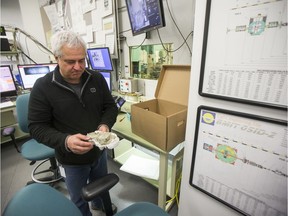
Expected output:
(173, 84)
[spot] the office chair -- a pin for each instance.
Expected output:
(31, 149)
(10, 132)
(48, 201)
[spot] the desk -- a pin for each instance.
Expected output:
(8, 120)
(123, 130)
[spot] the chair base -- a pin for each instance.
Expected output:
(53, 170)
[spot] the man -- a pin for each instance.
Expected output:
(64, 106)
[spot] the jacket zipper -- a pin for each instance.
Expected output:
(67, 88)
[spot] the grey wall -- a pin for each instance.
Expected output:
(10, 13)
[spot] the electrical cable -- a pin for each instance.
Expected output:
(185, 39)
(177, 189)
(120, 8)
(137, 46)
(177, 27)
(17, 32)
(35, 41)
(27, 56)
(28, 53)
(18, 46)
(124, 31)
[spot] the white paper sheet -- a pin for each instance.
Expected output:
(110, 42)
(143, 167)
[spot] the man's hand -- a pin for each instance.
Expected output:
(103, 128)
(79, 144)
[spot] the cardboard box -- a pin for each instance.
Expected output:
(162, 121)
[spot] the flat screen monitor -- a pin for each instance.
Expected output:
(108, 78)
(145, 15)
(29, 73)
(5, 46)
(8, 86)
(100, 59)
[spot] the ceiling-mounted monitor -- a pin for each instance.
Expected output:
(145, 15)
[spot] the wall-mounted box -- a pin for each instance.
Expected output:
(162, 121)
(128, 85)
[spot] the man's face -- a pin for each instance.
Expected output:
(72, 63)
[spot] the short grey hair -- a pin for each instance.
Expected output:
(68, 38)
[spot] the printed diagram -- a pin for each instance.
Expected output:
(256, 35)
(257, 25)
(98, 58)
(228, 155)
(223, 152)
(243, 162)
(246, 53)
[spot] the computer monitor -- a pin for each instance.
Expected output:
(29, 73)
(145, 15)
(108, 78)
(8, 86)
(100, 59)
(5, 45)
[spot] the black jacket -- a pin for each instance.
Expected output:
(55, 112)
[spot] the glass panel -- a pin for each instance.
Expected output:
(147, 60)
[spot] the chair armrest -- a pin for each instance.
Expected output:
(8, 131)
(95, 188)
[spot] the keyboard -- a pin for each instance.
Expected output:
(7, 99)
(6, 104)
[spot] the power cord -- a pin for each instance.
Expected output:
(178, 47)
(185, 40)
(176, 195)
(137, 46)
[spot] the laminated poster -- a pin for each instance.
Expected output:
(244, 56)
(241, 160)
